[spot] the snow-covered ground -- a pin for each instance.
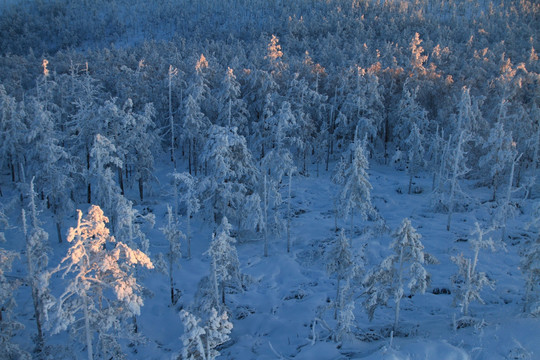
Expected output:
(287, 303)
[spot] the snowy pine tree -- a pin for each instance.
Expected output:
(37, 256)
(341, 264)
(388, 279)
(200, 342)
(187, 186)
(8, 323)
(530, 265)
(225, 263)
(174, 235)
(356, 192)
(95, 265)
(469, 281)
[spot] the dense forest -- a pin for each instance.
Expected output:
(175, 121)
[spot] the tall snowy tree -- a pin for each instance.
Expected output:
(356, 192)
(415, 154)
(105, 159)
(174, 235)
(232, 108)
(341, 264)
(225, 263)
(8, 323)
(469, 281)
(37, 257)
(233, 178)
(530, 265)
(195, 123)
(388, 279)
(12, 133)
(97, 266)
(188, 187)
(499, 155)
(200, 342)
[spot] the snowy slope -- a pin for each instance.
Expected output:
(275, 316)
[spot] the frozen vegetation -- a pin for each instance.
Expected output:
(254, 179)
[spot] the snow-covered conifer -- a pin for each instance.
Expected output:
(188, 187)
(232, 177)
(469, 281)
(500, 153)
(12, 133)
(200, 342)
(415, 159)
(96, 265)
(174, 235)
(341, 264)
(530, 265)
(388, 279)
(356, 192)
(105, 158)
(8, 323)
(232, 108)
(225, 263)
(37, 256)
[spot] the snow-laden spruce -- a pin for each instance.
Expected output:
(530, 265)
(230, 187)
(388, 279)
(225, 263)
(37, 259)
(8, 323)
(173, 234)
(95, 267)
(200, 342)
(188, 187)
(469, 282)
(356, 192)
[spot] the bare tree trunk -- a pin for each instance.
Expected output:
(141, 188)
(59, 231)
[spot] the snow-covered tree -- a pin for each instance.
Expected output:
(469, 281)
(138, 141)
(49, 162)
(456, 163)
(341, 264)
(530, 265)
(174, 235)
(12, 133)
(37, 256)
(506, 208)
(8, 323)
(232, 179)
(225, 263)
(200, 342)
(388, 279)
(500, 153)
(409, 112)
(187, 186)
(195, 123)
(276, 163)
(96, 266)
(356, 191)
(415, 154)
(232, 108)
(105, 158)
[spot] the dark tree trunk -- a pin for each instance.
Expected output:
(59, 231)
(141, 188)
(121, 180)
